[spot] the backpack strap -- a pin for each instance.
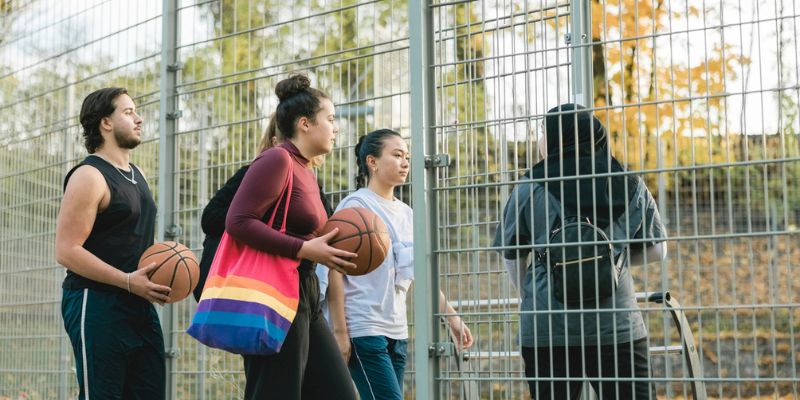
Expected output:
(380, 213)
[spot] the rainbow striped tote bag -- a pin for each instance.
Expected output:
(250, 298)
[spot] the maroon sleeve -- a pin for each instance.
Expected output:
(258, 193)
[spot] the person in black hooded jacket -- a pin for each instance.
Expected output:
(213, 219)
(564, 345)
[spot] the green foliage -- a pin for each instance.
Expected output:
(465, 134)
(659, 117)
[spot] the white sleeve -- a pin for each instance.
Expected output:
(516, 271)
(650, 254)
(403, 254)
(322, 275)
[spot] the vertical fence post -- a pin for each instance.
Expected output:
(167, 230)
(68, 148)
(664, 275)
(580, 41)
(423, 198)
(203, 177)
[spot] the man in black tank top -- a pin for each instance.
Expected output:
(106, 221)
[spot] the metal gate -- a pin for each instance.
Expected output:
(700, 98)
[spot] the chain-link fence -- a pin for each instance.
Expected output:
(701, 99)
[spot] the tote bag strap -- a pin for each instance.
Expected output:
(287, 192)
(380, 212)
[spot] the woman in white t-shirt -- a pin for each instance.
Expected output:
(368, 312)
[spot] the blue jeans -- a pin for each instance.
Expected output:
(377, 364)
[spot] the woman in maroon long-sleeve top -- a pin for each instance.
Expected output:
(309, 365)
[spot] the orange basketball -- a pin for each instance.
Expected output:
(362, 232)
(176, 267)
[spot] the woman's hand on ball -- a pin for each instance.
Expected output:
(142, 286)
(319, 251)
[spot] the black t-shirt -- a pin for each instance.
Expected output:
(124, 230)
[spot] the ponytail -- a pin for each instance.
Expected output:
(272, 131)
(362, 175)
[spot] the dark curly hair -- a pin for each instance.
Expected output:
(297, 99)
(96, 106)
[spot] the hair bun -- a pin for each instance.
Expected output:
(291, 86)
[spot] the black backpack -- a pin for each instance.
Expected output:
(581, 262)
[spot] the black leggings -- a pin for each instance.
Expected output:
(309, 365)
(613, 361)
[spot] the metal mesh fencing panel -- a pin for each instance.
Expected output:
(53, 54)
(231, 60)
(700, 100)
(498, 66)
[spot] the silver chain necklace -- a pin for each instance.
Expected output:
(132, 179)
